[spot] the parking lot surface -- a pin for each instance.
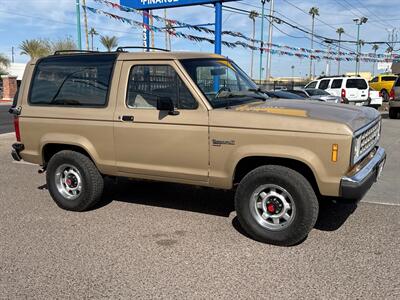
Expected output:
(5, 119)
(159, 240)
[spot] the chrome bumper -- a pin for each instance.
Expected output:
(356, 186)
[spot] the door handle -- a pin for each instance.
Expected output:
(127, 118)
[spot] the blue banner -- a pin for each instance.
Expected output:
(156, 4)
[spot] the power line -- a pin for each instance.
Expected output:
(374, 14)
(319, 19)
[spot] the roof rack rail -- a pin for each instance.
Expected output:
(122, 49)
(334, 76)
(58, 52)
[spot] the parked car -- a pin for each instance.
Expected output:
(316, 94)
(191, 118)
(375, 99)
(394, 102)
(352, 89)
(284, 95)
(383, 83)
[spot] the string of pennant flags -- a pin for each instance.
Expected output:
(282, 50)
(173, 22)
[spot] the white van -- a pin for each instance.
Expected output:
(351, 89)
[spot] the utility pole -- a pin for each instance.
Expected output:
(270, 31)
(314, 11)
(152, 31)
(12, 54)
(166, 31)
(328, 66)
(78, 23)
(262, 36)
(85, 24)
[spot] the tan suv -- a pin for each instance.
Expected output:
(192, 118)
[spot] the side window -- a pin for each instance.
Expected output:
(147, 83)
(323, 85)
(311, 85)
(389, 78)
(375, 79)
(72, 80)
(337, 83)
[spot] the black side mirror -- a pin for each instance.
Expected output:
(166, 104)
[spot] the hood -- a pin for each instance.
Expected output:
(353, 116)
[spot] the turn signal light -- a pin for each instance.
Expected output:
(335, 150)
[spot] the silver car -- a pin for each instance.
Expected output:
(316, 94)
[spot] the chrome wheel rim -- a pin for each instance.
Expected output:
(68, 180)
(272, 207)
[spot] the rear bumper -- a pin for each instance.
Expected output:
(357, 185)
(15, 152)
(394, 103)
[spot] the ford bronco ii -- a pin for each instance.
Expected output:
(192, 118)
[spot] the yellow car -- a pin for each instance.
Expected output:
(383, 83)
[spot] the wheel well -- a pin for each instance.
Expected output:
(247, 164)
(384, 90)
(50, 149)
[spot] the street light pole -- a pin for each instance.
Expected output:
(262, 37)
(358, 47)
(359, 22)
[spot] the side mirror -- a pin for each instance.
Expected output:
(166, 104)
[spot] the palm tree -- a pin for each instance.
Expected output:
(66, 44)
(92, 33)
(109, 42)
(375, 47)
(339, 31)
(314, 11)
(4, 62)
(35, 48)
(253, 15)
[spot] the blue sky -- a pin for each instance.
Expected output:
(23, 19)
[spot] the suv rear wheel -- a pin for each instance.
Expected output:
(73, 181)
(393, 113)
(276, 205)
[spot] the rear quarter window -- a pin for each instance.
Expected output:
(360, 84)
(75, 80)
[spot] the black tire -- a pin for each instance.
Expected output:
(393, 113)
(303, 196)
(92, 181)
(385, 95)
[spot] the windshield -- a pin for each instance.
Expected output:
(317, 92)
(222, 82)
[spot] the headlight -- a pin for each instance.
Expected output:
(356, 148)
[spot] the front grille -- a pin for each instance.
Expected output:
(370, 138)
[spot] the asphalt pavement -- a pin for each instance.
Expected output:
(159, 240)
(6, 124)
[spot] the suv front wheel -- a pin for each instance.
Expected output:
(276, 205)
(73, 181)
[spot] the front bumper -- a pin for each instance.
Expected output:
(357, 185)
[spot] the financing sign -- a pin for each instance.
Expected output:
(156, 4)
